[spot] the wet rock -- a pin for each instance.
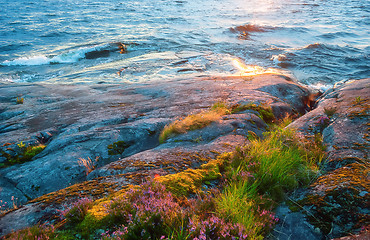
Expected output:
(97, 54)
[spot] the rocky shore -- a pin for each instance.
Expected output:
(117, 127)
(337, 203)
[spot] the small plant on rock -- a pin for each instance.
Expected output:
(89, 164)
(358, 100)
(322, 123)
(32, 151)
(77, 212)
(264, 111)
(20, 100)
(40, 231)
(330, 111)
(21, 145)
(194, 121)
(117, 148)
(22, 154)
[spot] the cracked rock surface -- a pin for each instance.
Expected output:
(89, 121)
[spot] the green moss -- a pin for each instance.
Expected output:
(221, 107)
(190, 180)
(117, 148)
(96, 188)
(32, 151)
(65, 235)
(22, 154)
(89, 226)
(264, 111)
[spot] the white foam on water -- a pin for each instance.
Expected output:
(321, 86)
(276, 59)
(67, 57)
(28, 61)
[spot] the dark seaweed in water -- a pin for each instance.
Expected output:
(245, 30)
(97, 54)
(250, 28)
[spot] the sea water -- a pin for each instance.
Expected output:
(317, 42)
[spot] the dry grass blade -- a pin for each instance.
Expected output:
(88, 164)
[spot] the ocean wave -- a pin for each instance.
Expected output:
(72, 56)
(322, 87)
(334, 35)
(283, 60)
(21, 77)
(12, 46)
(278, 58)
(330, 49)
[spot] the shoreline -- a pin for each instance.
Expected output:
(81, 121)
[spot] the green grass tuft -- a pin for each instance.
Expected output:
(216, 111)
(264, 111)
(194, 121)
(266, 169)
(20, 100)
(330, 111)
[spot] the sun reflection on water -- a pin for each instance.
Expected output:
(252, 70)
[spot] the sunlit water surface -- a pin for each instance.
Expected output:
(318, 42)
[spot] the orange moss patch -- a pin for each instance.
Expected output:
(172, 162)
(99, 209)
(359, 109)
(96, 188)
(340, 198)
(360, 146)
(348, 160)
(351, 176)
